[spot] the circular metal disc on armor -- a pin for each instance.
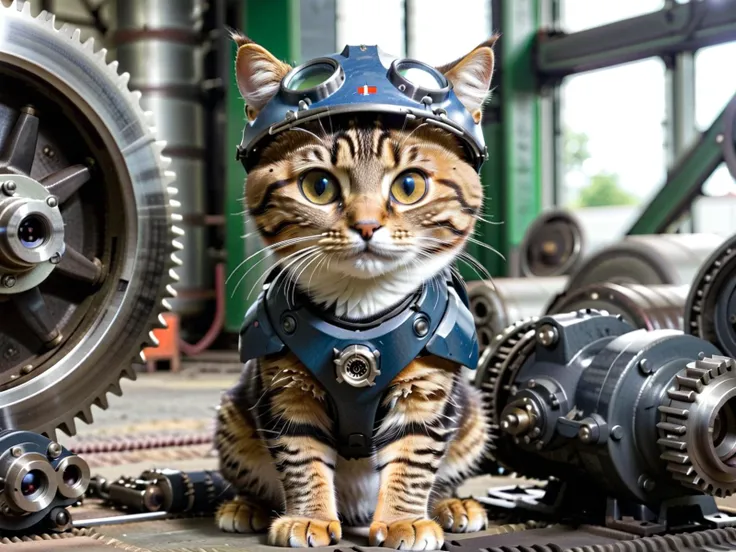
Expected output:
(84, 191)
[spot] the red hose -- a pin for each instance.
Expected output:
(217, 323)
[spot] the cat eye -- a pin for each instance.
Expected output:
(409, 187)
(319, 187)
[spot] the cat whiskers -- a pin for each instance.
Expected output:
(268, 250)
(298, 254)
(467, 258)
(295, 278)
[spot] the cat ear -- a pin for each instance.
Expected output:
(258, 74)
(471, 76)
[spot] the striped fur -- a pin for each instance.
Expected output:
(275, 433)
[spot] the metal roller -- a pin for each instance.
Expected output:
(711, 306)
(646, 307)
(86, 240)
(552, 246)
(158, 42)
(647, 260)
(497, 304)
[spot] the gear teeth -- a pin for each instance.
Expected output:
(129, 373)
(676, 426)
(85, 415)
(102, 402)
(167, 177)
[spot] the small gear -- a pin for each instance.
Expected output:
(710, 310)
(500, 362)
(698, 426)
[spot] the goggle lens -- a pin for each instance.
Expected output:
(420, 77)
(311, 76)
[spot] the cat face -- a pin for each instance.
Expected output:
(364, 198)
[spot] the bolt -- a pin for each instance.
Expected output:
(52, 201)
(531, 384)
(539, 445)
(54, 450)
(363, 47)
(421, 326)
(16, 451)
(8, 280)
(61, 518)
(719, 139)
(288, 324)
(536, 432)
(28, 110)
(9, 187)
(5, 509)
(617, 432)
(585, 434)
(646, 483)
(645, 367)
(27, 369)
(547, 335)
(290, 115)
(55, 258)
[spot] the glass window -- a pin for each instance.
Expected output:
(613, 142)
(461, 29)
(377, 22)
(578, 15)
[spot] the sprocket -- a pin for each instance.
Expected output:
(710, 309)
(698, 447)
(75, 146)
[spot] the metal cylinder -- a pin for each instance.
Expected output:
(158, 43)
(499, 303)
(552, 246)
(647, 260)
(645, 307)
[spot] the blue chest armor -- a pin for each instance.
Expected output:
(355, 362)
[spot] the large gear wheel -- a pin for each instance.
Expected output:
(710, 309)
(88, 242)
(698, 426)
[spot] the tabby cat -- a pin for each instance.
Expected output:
(310, 196)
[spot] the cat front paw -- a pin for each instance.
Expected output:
(242, 516)
(299, 532)
(407, 534)
(461, 515)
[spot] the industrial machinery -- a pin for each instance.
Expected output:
(87, 242)
(553, 245)
(648, 260)
(637, 428)
(497, 303)
(647, 307)
(711, 305)
(39, 480)
(164, 490)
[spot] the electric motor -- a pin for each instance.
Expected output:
(647, 260)
(648, 416)
(646, 307)
(552, 246)
(710, 312)
(497, 303)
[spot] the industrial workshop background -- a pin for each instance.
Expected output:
(610, 110)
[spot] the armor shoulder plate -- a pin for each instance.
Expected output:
(455, 338)
(257, 336)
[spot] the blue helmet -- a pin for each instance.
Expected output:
(363, 79)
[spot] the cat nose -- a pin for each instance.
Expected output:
(366, 228)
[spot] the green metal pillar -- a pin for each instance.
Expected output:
(274, 24)
(512, 128)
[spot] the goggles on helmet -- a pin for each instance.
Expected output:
(363, 80)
